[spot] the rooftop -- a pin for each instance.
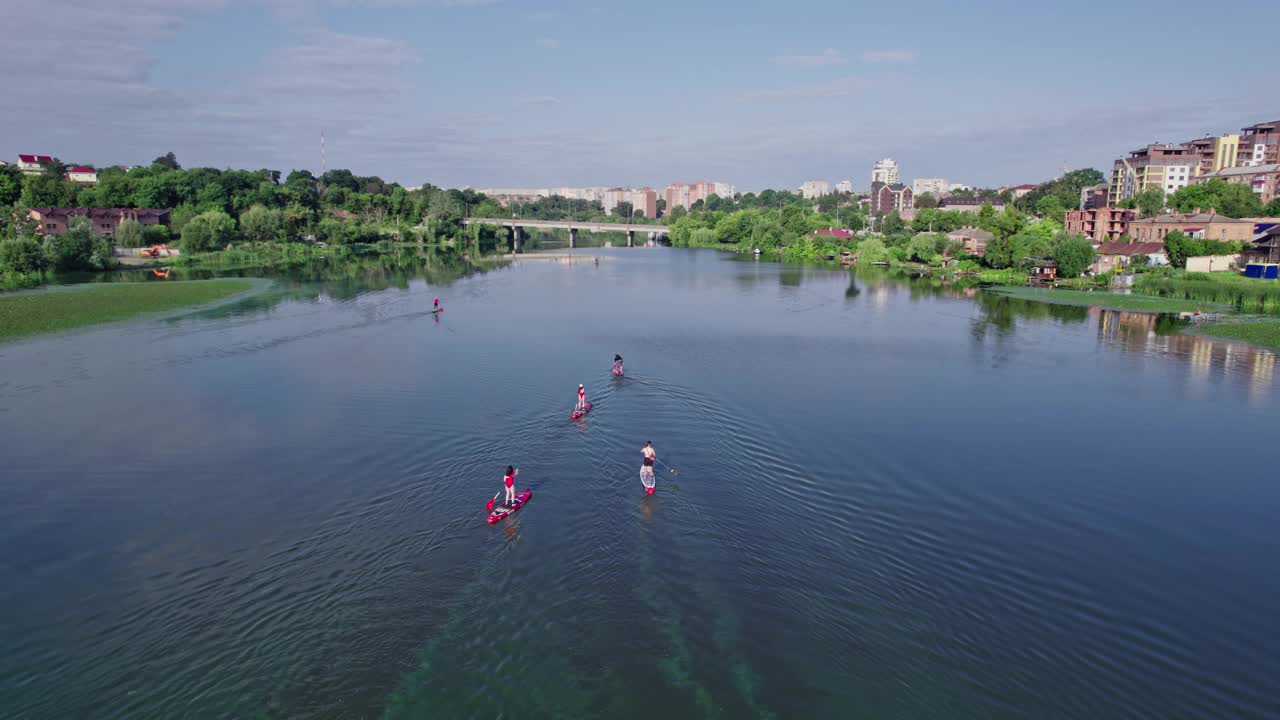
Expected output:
(1131, 248)
(1236, 171)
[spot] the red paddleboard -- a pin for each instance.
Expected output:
(649, 485)
(617, 371)
(501, 511)
(579, 413)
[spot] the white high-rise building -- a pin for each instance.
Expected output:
(844, 186)
(885, 171)
(724, 190)
(936, 187)
(811, 189)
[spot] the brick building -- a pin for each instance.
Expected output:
(1104, 224)
(886, 197)
(1205, 226)
(53, 221)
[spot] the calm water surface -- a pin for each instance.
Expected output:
(891, 501)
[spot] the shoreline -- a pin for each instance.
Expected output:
(44, 311)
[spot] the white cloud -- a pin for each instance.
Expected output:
(901, 55)
(840, 87)
(548, 43)
(829, 56)
(538, 100)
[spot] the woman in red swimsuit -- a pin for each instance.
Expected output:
(509, 482)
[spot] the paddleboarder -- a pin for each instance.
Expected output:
(617, 364)
(582, 399)
(646, 468)
(437, 306)
(509, 482)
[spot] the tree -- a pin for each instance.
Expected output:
(1074, 255)
(168, 160)
(129, 234)
(872, 250)
(623, 209)
(10, 185)
(1230, 199)
(1175, 248)
(925, 201)
(1066, 189)
(1150, 202)
(892, 223)
(1272, 209)
(22, 255)
(44, 190)
(1051, 208)
(155, 234)
(1000, 252)
(922, 247)
(73, 249)
(207, 231)
(261, 224)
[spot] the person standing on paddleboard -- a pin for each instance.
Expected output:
(437, 307)
(617, 362)
(582, 399)
(646, 469)
(509, 482)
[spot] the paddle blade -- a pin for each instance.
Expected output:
(489, 505)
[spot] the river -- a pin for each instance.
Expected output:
(881, 499)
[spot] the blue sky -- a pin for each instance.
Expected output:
(531, 94)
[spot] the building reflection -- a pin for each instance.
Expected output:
(1208, 358)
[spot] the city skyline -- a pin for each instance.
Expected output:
(478, 93)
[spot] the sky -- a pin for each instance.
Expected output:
(525, 93)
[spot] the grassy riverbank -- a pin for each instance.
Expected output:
(1265, 333)
(1104, 300)
(65, 308)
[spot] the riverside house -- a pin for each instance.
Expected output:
(53, 221)
(1112, 255)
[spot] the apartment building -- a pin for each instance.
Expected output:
(812, 189)
(686, 194)
(969, 205)
(936, 187)
(1102, 224)
(1093, 197)
(1214, 153)
(1168, 167)
(890, 196)
(885, 171)
(844, 186)
(1259, 144)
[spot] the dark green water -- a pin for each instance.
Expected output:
(893, 500)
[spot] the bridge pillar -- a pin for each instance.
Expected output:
(515, 239)
(631, 238)
(573, 237)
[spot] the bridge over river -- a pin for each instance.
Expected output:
(519, 225)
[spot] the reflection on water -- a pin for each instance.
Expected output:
(1207, 357)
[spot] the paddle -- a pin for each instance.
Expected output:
(489, 505)
(673, 470)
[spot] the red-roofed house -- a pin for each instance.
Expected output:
(82, 174)
(53, 221)
(836, 233)
(33, 164)
(1111, 255)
